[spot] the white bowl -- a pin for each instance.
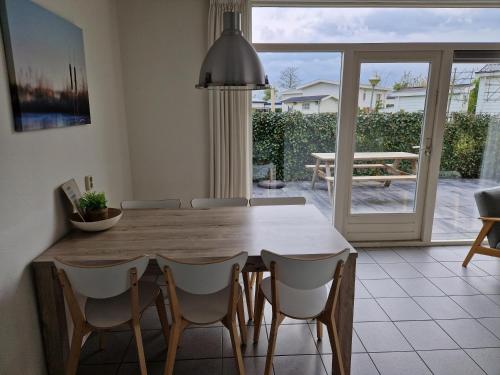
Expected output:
(114, 216)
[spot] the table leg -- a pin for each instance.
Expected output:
(315, 173)
(395, 167)
(328, 174)
(345, 310)
(52, 314)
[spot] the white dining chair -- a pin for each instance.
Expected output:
(201, 294)
(114, 295)
(151, 204)
(218, 202)
(298, 289)
(278, 201)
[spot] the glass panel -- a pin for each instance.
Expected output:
(392, 100)
(294, 119)
(471, 149)
(369, 25)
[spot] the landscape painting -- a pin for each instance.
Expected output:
(46, 66)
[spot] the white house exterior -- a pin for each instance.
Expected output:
(330, 89)
(309, 104)
(488, 96)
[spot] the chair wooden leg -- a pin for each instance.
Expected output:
(173, 342)
(259, 314)
(74, 354)
(162, 315)
(248, 295)
(241, 321)
(136, 328)
(479, 240)
(235, 342)
(252, 279)
(258, 279)
(337, 362)
(319, 330)
(272, 345)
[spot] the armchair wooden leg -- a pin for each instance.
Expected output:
(337, 362)
(162, 315)
(74, 354)
(259, 314)
(319, 330)
(272, 343)
(235, 341)
(487, 225)
(241, 321)
(248, 295)
(136, 328)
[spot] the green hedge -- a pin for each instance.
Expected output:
(287, 139)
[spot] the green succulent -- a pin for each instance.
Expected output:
(92, 200)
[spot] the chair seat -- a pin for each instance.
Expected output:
(297, 303)
(111, 312)
(203, 308)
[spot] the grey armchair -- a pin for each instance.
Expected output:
(488, 204)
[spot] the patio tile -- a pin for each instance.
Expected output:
(303, 364)
(492, 267)
(400, 363)
(401, 270)
(493, 324)
(385, 256)
(361, 291)
(381, 337)
(294, 339)
(420, 287)
(384, 288)
(115, 346)
(368, 310)
(478, 306)
(486, 285)
(433, 269)
(486, 358)
(470, 270)
(450, 362)
(402, 309)
(426, 335)
(441, 307)
(253, 366)
(453, 286)
(469, 333)
(415, 255)
(370, 271)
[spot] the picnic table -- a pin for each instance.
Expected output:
(325, 162)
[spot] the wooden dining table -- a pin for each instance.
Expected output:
(192, 234)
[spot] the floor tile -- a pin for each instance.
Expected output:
(249, 350)
(150, 319)
(426, 335)
(420, 287)
(469, 333)
(402, 309)
(454, 286)
(300, 364)
(361, 364)
(444, 254)
(294, 339)
(385, 256)
(381, 337)
(401, 270)
(470, 270)
(368, 310)
(487, 358)
(155, 347)
(495, 298)
(98, 369)
(361, 291)
(493, 324)
(486, 285)
(399, 363)
(478, 306)
(198, 367)
(450, 362)
(415, 255)
(324, 346)
(253, 366)
(433, 269)
(384, 288)
(441, 307)
(200, 343)
(492, 267)
(115, 346)
(154, 368)
(364, 257)
(370, 271)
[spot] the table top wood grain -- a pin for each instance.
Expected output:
(205, 233)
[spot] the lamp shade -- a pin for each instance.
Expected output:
(232, 63)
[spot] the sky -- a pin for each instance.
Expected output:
(364, 25)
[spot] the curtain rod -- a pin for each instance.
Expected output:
(381, 3)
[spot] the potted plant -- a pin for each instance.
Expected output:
(94, 206)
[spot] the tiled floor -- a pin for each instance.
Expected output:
(416, 312)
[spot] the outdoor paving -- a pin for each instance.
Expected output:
(416, 311)
(455, 217)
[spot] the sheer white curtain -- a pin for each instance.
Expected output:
(229, 118)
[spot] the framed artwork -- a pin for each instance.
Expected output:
(46, 67)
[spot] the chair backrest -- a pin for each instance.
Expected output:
(150, 204)
(102, 281)
(202, 278)
(488, 204)
(218, 202)
(304, 273)
(279, 201)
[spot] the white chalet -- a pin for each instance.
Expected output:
(488, 96)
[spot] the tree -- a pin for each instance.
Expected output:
(471, 105)
(409, 80)
(289, 78)
(267, 94)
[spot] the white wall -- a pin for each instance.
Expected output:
(33, 164)
(163, 44)
(488, 97)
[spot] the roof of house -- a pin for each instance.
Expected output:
(490, 68)
(309, 98)
(318, 81)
